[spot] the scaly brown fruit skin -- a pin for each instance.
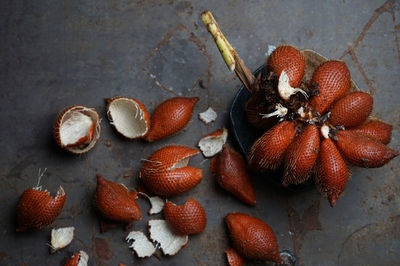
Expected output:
(234, 258)
(36, 209)
(333, 80)
(351, 110)
(376, 130)
(252, 237)
(230, 170)
(363, 151)
(161, 178)
(268, 151)
(115, 202)
(331, 172)
(289, 59)
(73, 261)
(186, 219)
(301, 156)
(170, 117)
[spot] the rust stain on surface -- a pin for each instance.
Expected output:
(386, 7)
(299, 226)
(102, 249)
(197, 42)
(3, 255)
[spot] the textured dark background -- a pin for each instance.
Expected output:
(59, 53)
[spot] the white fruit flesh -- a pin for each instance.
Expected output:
(208, 116)
(157, 205)
(83, 258)
(141, 244)
(284, 88)
(75, 125)
(169, 242)
(211, 145)
(128, 118)
(61, 237)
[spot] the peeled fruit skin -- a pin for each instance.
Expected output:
(36, 209)
(186, 219)
(289, 59)
(351, 110)
(331, 172)
(268, 151)
(73, 261)
(252, 238)
(161, 178)
(230, 169)
(234, 259)
(170, 117)
(301, 156)
(115, 202)
(376, 130)
(333, 79)
(363, 151)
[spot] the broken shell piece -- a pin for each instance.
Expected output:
(77, 129)
(36, 209)
(141, 244)
(129, 117)
(78, 259)
(213, 143)
(170, 243)
(208, 116)
(157, 203)
(61, 237)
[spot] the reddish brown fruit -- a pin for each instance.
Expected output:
(36, 209)
(186, 219)
(331, 173)
(170, 117)
(351, 110)
(115, 202)
(268, 151)
(363, 151)
(252, 237)
(80, 258)
(289, 59)
(230, 169)
(333, 80)
(301, 156)
(165, 172)
(234, 258)
(376, 130)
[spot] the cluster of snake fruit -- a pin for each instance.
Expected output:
(314, 127)
(315, 119)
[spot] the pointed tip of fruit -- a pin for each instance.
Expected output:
(195, 99)
(100, 178)
(332, 198)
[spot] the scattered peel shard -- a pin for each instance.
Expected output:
(315, 119)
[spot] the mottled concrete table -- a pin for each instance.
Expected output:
(59, 53)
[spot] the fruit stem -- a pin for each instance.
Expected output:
(230, 56)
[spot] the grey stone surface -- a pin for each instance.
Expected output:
(54, 54)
